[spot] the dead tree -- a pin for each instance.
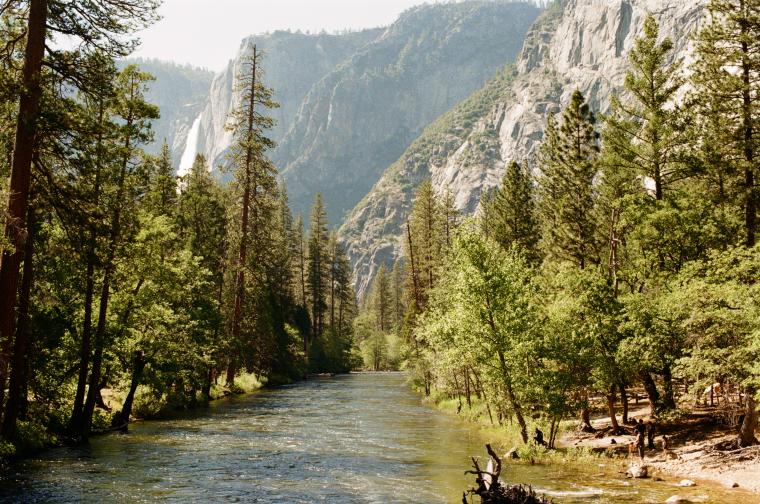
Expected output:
(492, 491)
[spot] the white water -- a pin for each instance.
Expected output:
(191, 148)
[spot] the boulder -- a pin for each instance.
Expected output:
(677, 499)
(686, 483)
(637, 471)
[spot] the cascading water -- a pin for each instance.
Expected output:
(191, 148)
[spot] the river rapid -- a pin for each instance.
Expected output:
(360, 438)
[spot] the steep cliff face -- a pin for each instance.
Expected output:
(293, 64)
(581, 44)
(181, 92)
(362, 116)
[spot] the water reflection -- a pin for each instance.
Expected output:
(350, 439)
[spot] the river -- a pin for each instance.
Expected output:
(361, 438)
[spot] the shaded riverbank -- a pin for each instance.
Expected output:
(363, 438)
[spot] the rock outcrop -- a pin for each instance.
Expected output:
(293, 62)
(352, 103)
(181, 92)
(575, 44)
(363, 115)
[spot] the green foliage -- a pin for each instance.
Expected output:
(641, 279)
(568, 164)
(508, 213)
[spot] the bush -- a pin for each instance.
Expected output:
(7, 450)
(32, 437)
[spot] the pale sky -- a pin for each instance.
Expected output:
(207, 33)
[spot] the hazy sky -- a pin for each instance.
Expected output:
(207, 33)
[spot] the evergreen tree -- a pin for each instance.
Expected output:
(381, 300)
(648, 131)
(426, 238)
(299, 258)
(121, 194)
(398, 280)
(97, 27)
(318, 268)
(727, 80)
(255, 177)
(509, 215)
(568, 164)
(162, 196)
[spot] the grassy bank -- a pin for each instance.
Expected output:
(35, 437)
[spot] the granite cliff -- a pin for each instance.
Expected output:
(575, 44)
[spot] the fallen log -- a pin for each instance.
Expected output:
(492, 491)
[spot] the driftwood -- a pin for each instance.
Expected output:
(492, 491)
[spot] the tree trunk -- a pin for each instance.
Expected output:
(669, 400)
(121, 420)
(624, 402)
(21, 175)
(207, 384)
(84, 348)
(611, 410)
(652, 393)
(17, 386)
(513, 400)
(585, 424)
(93, 390)
(459, 395)
(748, 125)
(749, 425)
(467, 387)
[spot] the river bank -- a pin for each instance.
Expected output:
(695, 453)
(699, 448)
(359, 438)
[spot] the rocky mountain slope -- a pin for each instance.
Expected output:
(181, 92)
(293, 62)
(362, 116)
(352, 103)
(575, 44)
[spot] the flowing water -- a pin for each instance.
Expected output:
(361, 438)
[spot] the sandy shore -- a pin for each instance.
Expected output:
(693, 453)
(701, 461)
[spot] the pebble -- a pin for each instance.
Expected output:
(686, 483)
(677, 499)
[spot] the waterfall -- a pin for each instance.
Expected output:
(191, 148)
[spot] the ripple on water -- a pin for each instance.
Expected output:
(341, 440)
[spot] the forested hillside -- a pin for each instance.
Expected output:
(622, 255)
(127, 291)
(574, 44)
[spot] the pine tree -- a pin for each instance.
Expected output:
(381, 300)
(398, 281)
(318, 268)
(508, 215)
(344, 294)
(299, 259)
(135, 117)
(256, 180)
(727, 81)
(99, 27)
(648, 131)
(568, 165)
(162, 196)
(425, 243)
